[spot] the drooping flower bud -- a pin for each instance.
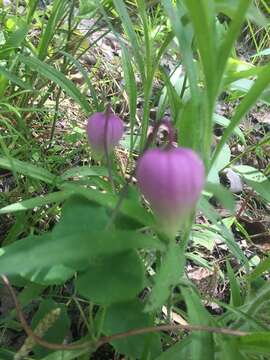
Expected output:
(171, 179)
(104, 131)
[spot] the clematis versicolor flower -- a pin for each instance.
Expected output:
(104, 131)
(171, 179)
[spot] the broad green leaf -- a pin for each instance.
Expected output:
(167, 277)
(55, 275)
(126, 316)
(255, 179)
(112, 279)
(129, 206)
(75, 250)
(202, 344)
(58, 78)
(80, 215)
(59, 329)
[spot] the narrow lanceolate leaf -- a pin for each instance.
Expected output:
(29, 204)
(129, 29)
(14, 79)
(256, 343)
(47, 35)
(166, 278)
(260, 269)
(255, 179)
(27, 169)
(131, 89)
(249, 100)
(58, 78)
(201, 13)
(234, 29)
(202, 342)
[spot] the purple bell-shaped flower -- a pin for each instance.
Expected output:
(171, 179)
(104, 131)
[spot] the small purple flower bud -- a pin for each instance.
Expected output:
(171, 180)
(104, 131)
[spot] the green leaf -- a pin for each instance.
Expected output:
(229, 240)
(131, 89)
(59, 329)
(27, 169)
(38, 201)
(129, 29)
(223, 121)
(86, 7)
(58, 8)
(65, 355)
(202, 342)
(80, 215)
(112, 279)
(256, 343)
(82, 171)
(58, 78)
(255, 179)
(220, 162)
(6, 354)
(249, 100)
(14, 79)
(201, 13)
(222, 194)
(181, 350)
(263, 266)
(166, 278)
(55, 275)
(127, 316)
(236, 299)
(229, 349)
(73, 250)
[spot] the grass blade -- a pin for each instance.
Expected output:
(58, 78)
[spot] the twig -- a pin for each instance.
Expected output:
(105, 339)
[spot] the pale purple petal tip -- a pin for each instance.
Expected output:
(171, 180)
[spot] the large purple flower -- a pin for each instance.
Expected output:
(171, 180)
(104, 131)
